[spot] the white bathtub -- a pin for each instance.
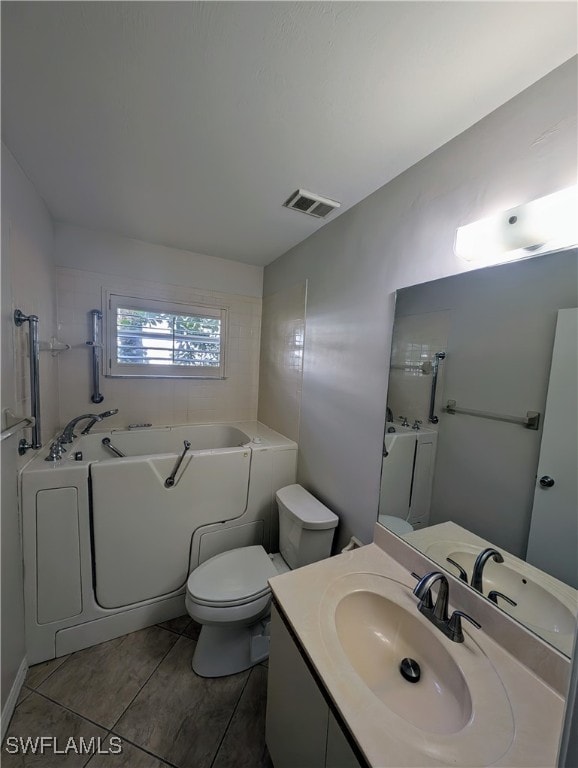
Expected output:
(407, 474)
(108, 547)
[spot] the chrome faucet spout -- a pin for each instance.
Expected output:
(68, 431)
(477, 573)
(103, 415)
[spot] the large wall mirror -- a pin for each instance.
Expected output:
(480, 451)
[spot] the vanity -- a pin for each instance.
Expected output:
(337, 697)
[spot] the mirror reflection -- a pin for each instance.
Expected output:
(480, 450)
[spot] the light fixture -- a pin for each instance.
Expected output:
(547, 224)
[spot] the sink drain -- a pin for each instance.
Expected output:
(410, 670)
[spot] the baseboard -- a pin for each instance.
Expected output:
(10, 705)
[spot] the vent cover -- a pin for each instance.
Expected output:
(311, 204)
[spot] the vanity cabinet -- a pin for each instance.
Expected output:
(302, 730)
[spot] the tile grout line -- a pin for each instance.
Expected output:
(146, 681)
(70, 655)
(72, 711)
(142, 749)
(231, 718)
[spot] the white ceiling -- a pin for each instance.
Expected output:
(188, 124)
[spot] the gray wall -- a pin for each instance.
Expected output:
(502, 323)
(401, 235)
(27, 283)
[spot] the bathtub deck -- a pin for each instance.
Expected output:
(141, 687)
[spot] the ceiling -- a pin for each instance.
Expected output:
(189, 123)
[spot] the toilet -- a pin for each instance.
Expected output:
(229, 594)
(396, 524)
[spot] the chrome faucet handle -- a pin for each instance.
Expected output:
(494, 595)
(455, 632)
(404, 421)
(56, 451)
(416, 424)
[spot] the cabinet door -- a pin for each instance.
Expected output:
(297, 713)
(339, 753)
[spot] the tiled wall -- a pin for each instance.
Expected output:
(415, 341)
(281, 367)
(160, 401)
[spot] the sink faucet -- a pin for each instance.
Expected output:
(481, 560)
(103, 415)
(68, 431)
(423, 590)
(404, 421)
(438, 614)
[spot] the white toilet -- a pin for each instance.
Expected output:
(229, 594)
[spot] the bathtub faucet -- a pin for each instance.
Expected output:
(103, 415)
(68, 431)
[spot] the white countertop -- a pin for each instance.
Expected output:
(384, 738)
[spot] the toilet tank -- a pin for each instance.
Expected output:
(306, 527)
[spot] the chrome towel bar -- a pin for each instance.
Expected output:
(530, 421)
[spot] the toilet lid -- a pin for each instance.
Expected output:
(232, 578)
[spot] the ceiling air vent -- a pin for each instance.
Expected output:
(310, 203)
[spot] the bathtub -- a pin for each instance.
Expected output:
(407, 474)
(108, 547)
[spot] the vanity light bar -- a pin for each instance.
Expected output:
(547, 224)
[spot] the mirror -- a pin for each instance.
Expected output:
(460, 471)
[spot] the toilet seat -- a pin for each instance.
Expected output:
(234, 578)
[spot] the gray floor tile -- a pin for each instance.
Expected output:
(130, 757)
(177, 625)
(192, 630)
(179, 716)
(100, 682)
(24, 693)
(35, 717)
(244, 742)
(37, 674)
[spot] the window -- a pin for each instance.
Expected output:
(160, 339)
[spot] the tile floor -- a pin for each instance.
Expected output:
(141, 687)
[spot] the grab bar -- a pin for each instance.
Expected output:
(96, 345)
(34, 354)
(17, 423)
(107, 444)
(170, 481)
(530, 421)
(433, 419)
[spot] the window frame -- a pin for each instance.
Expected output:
(113, 369)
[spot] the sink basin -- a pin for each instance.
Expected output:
(376, 634)
(368, 624)
(538, 606)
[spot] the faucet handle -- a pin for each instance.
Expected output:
(494, 595)
(462, 573)
(455, 631)
(416, 424)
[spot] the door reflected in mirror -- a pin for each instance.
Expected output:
(469, 446)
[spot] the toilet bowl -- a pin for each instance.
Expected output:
(229, 593)
(396, 524)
